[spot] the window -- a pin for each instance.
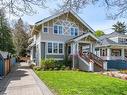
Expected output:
(55, 48)
(74, 31)
(55, 29)
(60, 48)
(103, 52)
(49, 47)
(58, 29)
(45, 29)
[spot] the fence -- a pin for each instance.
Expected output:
(5, 64)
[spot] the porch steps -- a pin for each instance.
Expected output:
(97, 61)
(117, 64)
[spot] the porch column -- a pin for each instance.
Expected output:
(99, 53)
(77, 47)
(91, 47)
(94, 49)
(122, 54)
(73, 52)
(108, 53)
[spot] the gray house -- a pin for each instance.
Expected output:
(113, 49)
(62, 35)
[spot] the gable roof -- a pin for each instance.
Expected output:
(77, 38)
(107, 41)
(113, 34)
(63, 12)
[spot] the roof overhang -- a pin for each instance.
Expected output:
(63, 12)
(112, 45)
(83, 36)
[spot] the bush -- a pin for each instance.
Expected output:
(48, 64)
(31, 66)
(37, 68)
(123, 71)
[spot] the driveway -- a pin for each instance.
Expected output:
(23, 81)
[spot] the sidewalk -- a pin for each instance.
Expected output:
(23, 81)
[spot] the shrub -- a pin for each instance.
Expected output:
(31, 66)
(48, 64)
(37, 68)
(63, 67)
(123, 71)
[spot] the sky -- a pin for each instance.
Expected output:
(94, 15)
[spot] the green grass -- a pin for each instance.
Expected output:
(82, 83)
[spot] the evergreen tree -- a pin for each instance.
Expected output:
(6, 42)
(120, 27)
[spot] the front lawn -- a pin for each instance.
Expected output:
(82, 83)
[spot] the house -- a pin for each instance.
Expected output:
(113, 49)
(62, 35)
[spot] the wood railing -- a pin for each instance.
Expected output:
(90, 57)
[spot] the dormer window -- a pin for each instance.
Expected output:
(73, 31)
(58, 29)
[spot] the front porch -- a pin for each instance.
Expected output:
(82, 52)
(112, 53)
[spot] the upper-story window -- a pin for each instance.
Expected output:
(73, 31)
(45, 29)
(58, 29)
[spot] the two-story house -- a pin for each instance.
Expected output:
(113, 49)
(62, 35)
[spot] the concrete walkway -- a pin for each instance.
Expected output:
(23, 81)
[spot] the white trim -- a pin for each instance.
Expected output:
(55, 58)
(58, 29)
(62, 12)
(47, 29)
(52, 48)
(85, 35)
(74, 31)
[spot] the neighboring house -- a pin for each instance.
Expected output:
(113, 49)
(65, 35)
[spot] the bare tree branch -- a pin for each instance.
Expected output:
(21, 7)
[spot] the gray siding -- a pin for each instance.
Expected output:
(83, 66)
(55, 56)
(42, 49)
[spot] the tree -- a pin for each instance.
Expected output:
(116, 8)
(20, 7)
(120, 27)
(20, 37)
(6, 42)
(99, 33)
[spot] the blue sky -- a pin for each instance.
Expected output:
(95, 16)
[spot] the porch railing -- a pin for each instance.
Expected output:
(90, 57)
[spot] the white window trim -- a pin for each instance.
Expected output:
(58, 29)
(74, 28)
(57, 48)
(47, 29)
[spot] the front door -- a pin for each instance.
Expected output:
(85, 49)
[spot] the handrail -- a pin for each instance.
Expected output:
(96, 59)
(90, 57)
